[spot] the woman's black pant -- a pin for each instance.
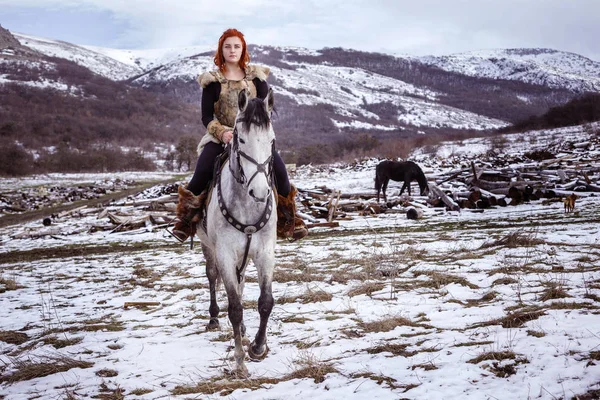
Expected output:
(206, 162)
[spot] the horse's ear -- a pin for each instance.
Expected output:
(270, 101)
(242, 100)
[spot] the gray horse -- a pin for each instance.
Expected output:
(240, 224)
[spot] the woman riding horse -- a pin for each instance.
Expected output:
(219, 109)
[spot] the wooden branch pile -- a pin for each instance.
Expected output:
(490, 182)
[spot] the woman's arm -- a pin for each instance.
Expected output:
(210, 95)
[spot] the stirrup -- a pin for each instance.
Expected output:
(174, 233)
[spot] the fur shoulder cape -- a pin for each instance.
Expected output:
(252, 71)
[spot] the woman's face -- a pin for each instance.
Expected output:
(232, 49)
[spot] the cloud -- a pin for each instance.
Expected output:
(414, 27)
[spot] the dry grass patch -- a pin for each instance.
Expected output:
(13, 337)
(295, 319)
(94, 326)
(468, 344)
(486, 298)
(29, 369)
(512, 269)
(571, 305)
(504, 281)
(513, 320)
(224, 386)
(395, 349)
(367, 288)
(7, 284)
(494, 356)
(140, 391)
(537, 334)
(250, 304)
(498, 367)
(283, 275)
(388, 324)
(513, 240)
(595, 355)
(310, 296)
(429, 366)
(438, 280)
(391, 382)
(553, 291)
(307, 367)
(59, 343)
(592, 296)
(107, 393)
(346, 275)
(312, 370)
(380, 379)
(223, 337)
(106, 373)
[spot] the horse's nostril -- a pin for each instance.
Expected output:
(251, 192)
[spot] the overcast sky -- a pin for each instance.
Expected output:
(416, 27)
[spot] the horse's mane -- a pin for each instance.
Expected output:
(256, 114)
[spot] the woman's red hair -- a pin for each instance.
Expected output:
(220, 60)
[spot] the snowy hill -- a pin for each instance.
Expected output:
(328, 95)
(150, 58)
(101, 64)
(546, 67)
(348, 90)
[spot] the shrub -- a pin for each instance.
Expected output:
(15, 160)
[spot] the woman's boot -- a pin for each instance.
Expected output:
(189, 212)
(289, 225)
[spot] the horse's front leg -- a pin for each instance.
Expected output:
(235, 310)
(265, 264)
(386, 180)
(213, 276)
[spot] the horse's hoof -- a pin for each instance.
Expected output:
(213, 325)
(238, 373)
(255, 355)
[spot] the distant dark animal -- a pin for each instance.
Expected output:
(570, 202)
(406, 171)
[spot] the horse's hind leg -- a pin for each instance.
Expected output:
(258, 349)
(245, 339)
(405, 186)
(213, 277)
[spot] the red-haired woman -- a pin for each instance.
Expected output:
(219, 109)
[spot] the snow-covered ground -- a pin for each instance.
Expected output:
(500, 304)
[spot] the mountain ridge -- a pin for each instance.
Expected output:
(329, 98)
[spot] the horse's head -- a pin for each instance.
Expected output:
(253, 145)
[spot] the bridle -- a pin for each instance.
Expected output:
(237, 172)
(265, 168)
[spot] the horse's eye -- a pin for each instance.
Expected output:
(242, 141)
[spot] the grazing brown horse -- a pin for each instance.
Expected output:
(406, 171)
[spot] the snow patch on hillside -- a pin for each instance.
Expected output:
(556, 69)
(96, 62)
